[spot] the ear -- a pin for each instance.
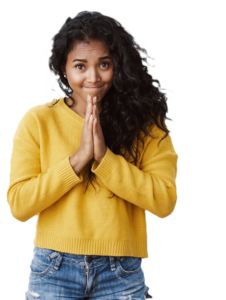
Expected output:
(63, 71)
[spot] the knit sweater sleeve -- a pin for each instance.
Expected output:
(31, 190)
(152, 185)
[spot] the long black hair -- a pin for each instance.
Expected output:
(133, 105)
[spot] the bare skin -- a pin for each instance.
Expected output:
(92, 73)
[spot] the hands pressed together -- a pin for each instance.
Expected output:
(92, 139)
(98, 137)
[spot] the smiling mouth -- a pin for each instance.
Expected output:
(98, 87)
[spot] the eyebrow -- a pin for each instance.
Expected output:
(100, 58)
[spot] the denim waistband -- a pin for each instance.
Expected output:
(75, 256)
(82, 260)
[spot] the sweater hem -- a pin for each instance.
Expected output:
(102, 247)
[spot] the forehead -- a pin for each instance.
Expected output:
(92, 48)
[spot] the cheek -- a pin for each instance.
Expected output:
(110, 76)
(76, 80)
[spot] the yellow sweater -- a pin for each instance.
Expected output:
(43, 183)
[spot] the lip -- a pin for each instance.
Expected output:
(94, 88)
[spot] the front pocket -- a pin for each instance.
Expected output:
(130, 265)
(42, 267)
(129, 270)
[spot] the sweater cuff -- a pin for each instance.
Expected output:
(68, 175)
(106, 166)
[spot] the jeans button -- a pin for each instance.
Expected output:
(89, 259)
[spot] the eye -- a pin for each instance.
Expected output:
(79, 65)
(106, 63)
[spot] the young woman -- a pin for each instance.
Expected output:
(109, 131)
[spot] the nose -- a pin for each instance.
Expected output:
(93, 76)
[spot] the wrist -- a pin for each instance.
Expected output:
(99, 160)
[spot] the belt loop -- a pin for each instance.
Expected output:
(112, 263)
(59, 256)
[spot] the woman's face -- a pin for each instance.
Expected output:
(89, 70)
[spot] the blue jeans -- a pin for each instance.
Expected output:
(58, 275)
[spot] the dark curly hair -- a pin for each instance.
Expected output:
(133, 104)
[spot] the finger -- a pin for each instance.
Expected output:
(94, 100)
(87, 109)
(93, 129)
(96, 110)
(94, 113)
(90, 105)
(91, 119)
(89, 114)
(94, 126)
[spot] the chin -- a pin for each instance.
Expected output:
(98, 93)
